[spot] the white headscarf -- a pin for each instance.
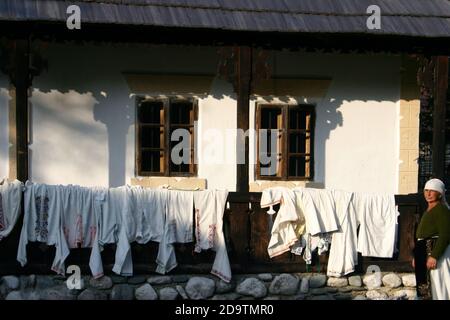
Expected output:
(437, 185)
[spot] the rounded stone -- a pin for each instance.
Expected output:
(102, 283)
(392, 280)
(168, 294)
(317, 281)
(10, 282)
(252, 287)
(200, 288)
(146, 292)
(337, 282)
(355, 281)
(122, 292)
(92, 294)
(60, 292)
(376, 295)
(156, 280)
(265, 276)
(284, 284)
(409, 280)
(406, 293)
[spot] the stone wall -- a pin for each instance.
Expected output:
(301, 286)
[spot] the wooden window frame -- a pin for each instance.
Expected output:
(285, 141)
(167, 129)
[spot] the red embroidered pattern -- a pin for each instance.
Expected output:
(93, 232)
(79, 232)
(212, 235)
(197, 231)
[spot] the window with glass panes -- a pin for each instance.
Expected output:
(286, 139)
(157, 119)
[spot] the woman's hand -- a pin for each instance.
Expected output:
(431, 263)
(413, 263)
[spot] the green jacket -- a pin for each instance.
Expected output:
(436, 222)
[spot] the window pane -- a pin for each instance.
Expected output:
(297, 142)
(297, 118)
(181, 148)
(152, 161)
(180, 112)
(181, 168)
(270, 142)
(297, 165)
(152, 137)
(270, 165)
(151, 112)
(271, 118)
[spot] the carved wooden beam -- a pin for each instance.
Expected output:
(432, 77)
(243, 67)
(21, 60)
(425, 76)
(439, 115)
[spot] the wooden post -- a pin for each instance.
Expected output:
(21, 79)
(439, 115)
(244, 72)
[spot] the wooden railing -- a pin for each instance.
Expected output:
(247, 234)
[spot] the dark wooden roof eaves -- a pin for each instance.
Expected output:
(425, 18)
(325, 7)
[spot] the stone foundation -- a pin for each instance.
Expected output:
(267, 286)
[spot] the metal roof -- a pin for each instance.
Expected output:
(423, 18)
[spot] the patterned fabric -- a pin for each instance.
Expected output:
(422, 251)
(41, 228)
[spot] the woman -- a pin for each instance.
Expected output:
(432, 252)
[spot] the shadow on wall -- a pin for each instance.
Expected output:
(364, 90)
(117, 122)
(98, 132)
(69, 143)
(78, 101)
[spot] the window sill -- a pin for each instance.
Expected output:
(260, 185)
(184, 183)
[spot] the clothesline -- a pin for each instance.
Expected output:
(73, 216)
(310, 219)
